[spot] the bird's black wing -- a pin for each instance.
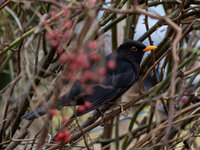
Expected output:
(116, 83)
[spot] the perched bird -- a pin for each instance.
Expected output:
(116, 81)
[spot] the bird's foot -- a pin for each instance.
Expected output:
(102, 117)
(121, 107)
(123, 112)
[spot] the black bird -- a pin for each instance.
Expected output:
(117, 81)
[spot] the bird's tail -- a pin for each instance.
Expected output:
(35, 113)
(43, 109)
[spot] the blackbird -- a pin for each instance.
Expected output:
(116, 82)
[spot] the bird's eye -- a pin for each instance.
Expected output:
(133, 49)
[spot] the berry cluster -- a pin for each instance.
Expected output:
(63, 137)
(85, 61)
(86, 105)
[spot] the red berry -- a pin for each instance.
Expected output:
(67, 133)
(184, 100)
(188, 90)
(92, 44)
(67, 36)
(53, 15)
(111, 64)
(65, 120)
(85, 65)
(102, 71)
(73, 66)
(83, 61)
(68, 24)
(53, 112)
(53, 35)
(94, 57)
(66, 12)
(87, 104)
(64, 58)
(45, 22)
(89, 89)
(50, 35)
(104, 45)
(69, 75)
(81, 79)
(59, 50)
(91, 2)
(73, 57)
(66, 140)
(87, 76)
(59, 137)
(54, 43)
(81, 108)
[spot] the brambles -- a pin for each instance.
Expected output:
(47, 45)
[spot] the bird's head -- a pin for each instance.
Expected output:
(134, 50)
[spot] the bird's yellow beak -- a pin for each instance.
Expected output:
(148, 48)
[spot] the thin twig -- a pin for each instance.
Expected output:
(186, 73)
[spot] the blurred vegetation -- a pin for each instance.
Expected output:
(31, 73)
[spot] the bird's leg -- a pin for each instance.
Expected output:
(123, 112)
(121, 105)
(102, 116)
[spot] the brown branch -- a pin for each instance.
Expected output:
(107, 133)
(3, 3)
(82, 132)
(44, 132)
(6, 107)
(151, 43)
(21, 135)
(150, 69)
(163, 66)
(189, 28)
(177, 140)
(157, 130)
(186, 73)
(24, 98)
(36, 55)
